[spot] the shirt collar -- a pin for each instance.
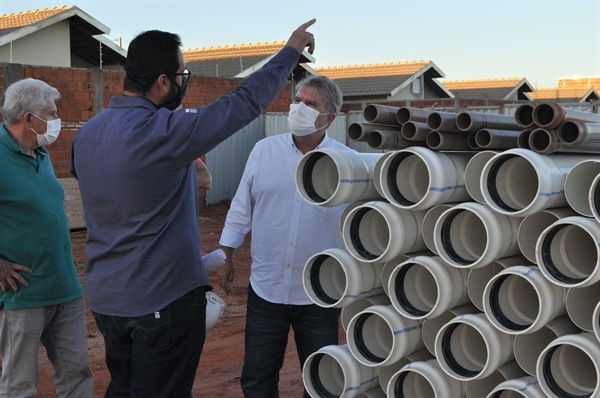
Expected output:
(323, 144)
(6, 139)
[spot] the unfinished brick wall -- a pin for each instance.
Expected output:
(583, 82)
(81, 99)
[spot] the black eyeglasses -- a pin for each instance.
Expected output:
(185, 75)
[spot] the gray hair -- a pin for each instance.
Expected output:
(28, 95)
(332, 93)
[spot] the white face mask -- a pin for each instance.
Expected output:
(52, 132)
(301, 119)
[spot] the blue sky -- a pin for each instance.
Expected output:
(538, 40)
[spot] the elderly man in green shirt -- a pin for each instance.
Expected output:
(42, 298)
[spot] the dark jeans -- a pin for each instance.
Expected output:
(155, 355)
(267, 329)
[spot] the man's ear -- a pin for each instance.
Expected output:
(161, 82)
(331, 118)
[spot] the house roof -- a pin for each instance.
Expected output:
(565, 94)
(368, 80)
(498, 89)
(238, 60)
(85, 32)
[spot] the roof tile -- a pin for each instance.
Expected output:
(559, 93)
(9, 21)
(236, 50)
(482, 83)
(371, 70)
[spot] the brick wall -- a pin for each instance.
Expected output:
(81, 99)
(583, 82)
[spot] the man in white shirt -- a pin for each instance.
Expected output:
(286, 232)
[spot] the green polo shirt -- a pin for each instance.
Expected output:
(33, 228)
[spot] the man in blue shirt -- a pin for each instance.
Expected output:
(134, 163)
(42, 298)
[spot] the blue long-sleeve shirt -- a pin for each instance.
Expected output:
(138, 187)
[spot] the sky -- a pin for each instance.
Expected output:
(541, 41)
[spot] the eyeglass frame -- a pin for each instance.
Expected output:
(185, 75)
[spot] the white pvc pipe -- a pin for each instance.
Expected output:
(568, 252)
(418, 178)
(578, 183)
(333, 372)
(469, 347)
(360, 305)
(521, 300)
(471, 235)
(520, 182)
(387, 372)
(479, 277)
(424, 379)
(380, 336)
(595, 198)
(569, 367)
(528, 347)
(532, 227)
(375, 392)
(334, 279)
(426, 287)
(581, 303)
(596, 321)
(330, 177)
(431, 326)
(377, 172)
(473, 171)
(482, 387)
(378, 231)
(429, 221)
(525, 387)
(388, 266)
(347, 210)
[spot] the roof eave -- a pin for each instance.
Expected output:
(305, 57)
(23, 31)
(112, 45)
(432, 71)
(518, 87)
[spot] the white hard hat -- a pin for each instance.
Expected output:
(215, 307)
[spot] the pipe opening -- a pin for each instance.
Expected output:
(569, 372)
(374, 139)
(316, 280)
(411, 177)
(403, 115)
(364, 348)
(399, 385)
(512, 303)
(523, 139)
(524, 115)
(464, 361)
(355, 131)
(595, 198)
(463, 237)
(365, 228)
(312, 191)
(568, 253)
(568, 132)
(540, 140)
(433, 139)
(319, 386)
(464, 121)
(434, 121)
(483, 138)
(405, 302)
(543, 114)
(512, 183)
(409, 130)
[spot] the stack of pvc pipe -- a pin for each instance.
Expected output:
(547, 127)
(463, 274)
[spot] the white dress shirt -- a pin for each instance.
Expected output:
(286, 230)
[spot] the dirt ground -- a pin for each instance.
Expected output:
(220, 366)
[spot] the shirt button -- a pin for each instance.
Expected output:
(294, 222)
(291, 243)
(298, 200)
(289, 265)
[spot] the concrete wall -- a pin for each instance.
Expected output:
(49, 47)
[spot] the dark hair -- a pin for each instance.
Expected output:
(149, 55)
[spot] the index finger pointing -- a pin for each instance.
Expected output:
(306, 25)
